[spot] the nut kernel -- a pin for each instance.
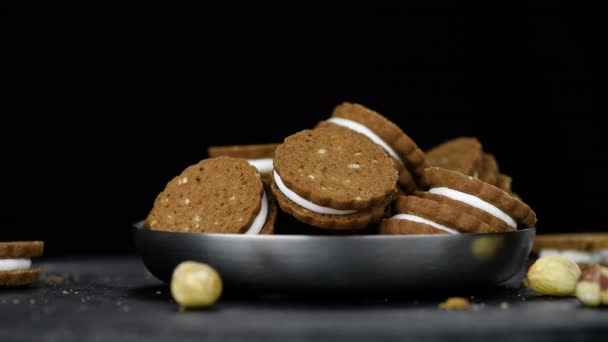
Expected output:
(195, 285)
(554, 276)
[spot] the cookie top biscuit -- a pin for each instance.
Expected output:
(479, 194)
(335, 168)
(462, 154)
(21, 249)
(382, 132)
(218, 195)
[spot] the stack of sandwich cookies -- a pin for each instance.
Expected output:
(409, 159)
(15, 262)
(417, 215)
(483, 196)
(333, 178)
(217, 195)
(260, 155)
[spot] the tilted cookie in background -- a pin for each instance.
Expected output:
(409, 159)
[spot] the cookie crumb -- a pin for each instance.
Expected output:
(158, 292)
(354, 166)
(455, 303)
(321, 151)
(504, 305)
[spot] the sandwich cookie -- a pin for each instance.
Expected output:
(417, 215)
(260, 156)
(217, 195)
(333, 178)
(409, 159)
(480, 195)
(497, 224)
(16, 263)
(462, 154)
(584, 249)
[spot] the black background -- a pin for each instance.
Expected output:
(100, 112)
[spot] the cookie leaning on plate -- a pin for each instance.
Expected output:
(333, 178)
(15, 262)
(480, 195)
(417, 215)
(409, 159)
(217, 195)
(259, 155)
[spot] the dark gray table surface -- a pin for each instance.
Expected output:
(116, 299)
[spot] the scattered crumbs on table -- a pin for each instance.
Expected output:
(504, 305)
(126, 308)
(16, 301)
(32, 301)
(455, 303)
(158, 292)
(65, 292)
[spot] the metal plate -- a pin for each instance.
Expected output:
(325, 263)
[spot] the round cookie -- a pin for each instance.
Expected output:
(462, 154)
(496, 223)
(333, 178)
(409, 159)
(15, 262)
(416, 215)
(217, 195)
(479, 194)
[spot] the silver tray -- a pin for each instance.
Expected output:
(343, 263)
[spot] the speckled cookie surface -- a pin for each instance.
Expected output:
(336, 168)
(21, 249)
(496, 223)
(19, 277)
(460, 154)
(516, 209)
(440, 213)
(243, 151)
(488, 172)
(218, 195)
(404, 146)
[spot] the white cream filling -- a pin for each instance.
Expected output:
(264, 165)
(419, 219)
(15, 264)
(304, 203)
(475, 202)
(359, 128)
(578, 256)
(260, 219)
